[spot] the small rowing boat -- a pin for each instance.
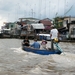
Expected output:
(41, 51)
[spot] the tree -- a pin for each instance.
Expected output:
(58, 22)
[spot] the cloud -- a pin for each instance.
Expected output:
(2, 21)
(12, 10)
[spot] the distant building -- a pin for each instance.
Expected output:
(13, 29)
(69, 24)
(72, 31)
(66, 26)
(31, 30)
(23, 21)
(47, 24)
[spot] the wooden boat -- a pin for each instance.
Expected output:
(41, 51)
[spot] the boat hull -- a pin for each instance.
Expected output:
(41, 51)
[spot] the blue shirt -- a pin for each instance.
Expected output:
(35, 45)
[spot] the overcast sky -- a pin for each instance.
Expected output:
(12, 10)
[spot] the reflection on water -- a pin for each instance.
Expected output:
(15, 61)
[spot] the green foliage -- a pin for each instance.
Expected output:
(58, 22)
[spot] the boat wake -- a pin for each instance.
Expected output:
(47, 64)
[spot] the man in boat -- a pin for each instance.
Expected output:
(53, 34)
(26, 42)
(35, 44)
(43, 44)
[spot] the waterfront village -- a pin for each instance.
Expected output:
(40, 29)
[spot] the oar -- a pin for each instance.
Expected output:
(58, 47)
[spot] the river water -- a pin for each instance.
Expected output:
(15, 61)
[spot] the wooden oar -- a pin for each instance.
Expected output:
(58, 47)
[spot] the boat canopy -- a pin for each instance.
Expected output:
(38, 26)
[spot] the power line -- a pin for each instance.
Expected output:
(68, 10)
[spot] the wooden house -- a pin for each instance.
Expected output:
(47, 24)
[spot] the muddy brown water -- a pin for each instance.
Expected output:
(15, 61)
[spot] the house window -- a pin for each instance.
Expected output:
(11, 26)
(73, 31)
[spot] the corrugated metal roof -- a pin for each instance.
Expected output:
(45, 22)
(38, 26)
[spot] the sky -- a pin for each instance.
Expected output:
(12, 10)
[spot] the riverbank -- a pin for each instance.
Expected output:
(73, 41)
